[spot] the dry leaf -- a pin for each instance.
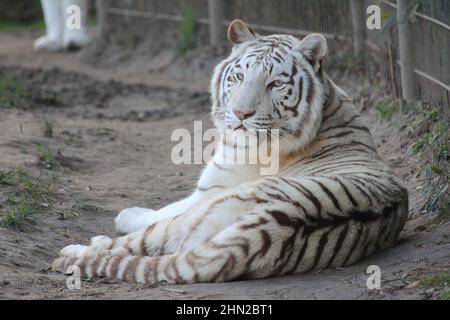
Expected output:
(413, 285)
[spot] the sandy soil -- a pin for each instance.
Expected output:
(114, 128)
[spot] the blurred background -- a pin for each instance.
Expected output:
(149, 28)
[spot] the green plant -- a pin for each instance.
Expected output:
(12, 94)
(19, 27)
(440, 279)
(25, 195)
(48, 157)
(48, 128)
(188, 29)
(18, 215)
(390, 17)
(386, 109)
(85, 205)
(446, 295)
(431, 135)
(6, 177)
(93, 21)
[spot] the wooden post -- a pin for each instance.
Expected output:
(101, 16)
(215, 8)
(359, 26)
(405, 51)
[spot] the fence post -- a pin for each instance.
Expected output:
(405, 51)
(101, 16)
(215, 8)
(359, 27)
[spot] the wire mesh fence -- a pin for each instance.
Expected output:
(429, 28)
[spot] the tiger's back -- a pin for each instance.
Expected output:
(362, 206)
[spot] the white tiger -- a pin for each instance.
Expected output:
(332, 202)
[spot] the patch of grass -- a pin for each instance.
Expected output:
(188, 29)
(446, 295)
(430, 128)
(93, 21)
(85, 205)
(6, 177)
(26, 185)
(48, 157)
(18, 27)
(431, 135)
(18, 215)
(12, 93)
(25, 195)
(47, 128)
(386, 109)
(441, 279)
(38, 25)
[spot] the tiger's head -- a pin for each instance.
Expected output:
(270, 82)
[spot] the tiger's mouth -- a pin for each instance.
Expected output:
(249, 128)
(241, 127)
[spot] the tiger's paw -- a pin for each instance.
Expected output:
(73, 250)
(61, 264)
(98, 244)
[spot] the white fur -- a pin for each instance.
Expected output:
(58, 36)
(251, 95)
(238, 222)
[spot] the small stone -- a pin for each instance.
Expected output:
(61, 191)
(413, 285)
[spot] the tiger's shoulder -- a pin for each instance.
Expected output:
(341, 123)
(343, 142)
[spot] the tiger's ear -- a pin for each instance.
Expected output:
(239, 31)
(314, 47)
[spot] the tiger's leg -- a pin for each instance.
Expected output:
(214, 180)
(204, 220)
(305, 223)
(133, 219)
(156, 238)
(257, 246)
(246, 247)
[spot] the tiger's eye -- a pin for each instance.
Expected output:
(275, 84)
(240, 76)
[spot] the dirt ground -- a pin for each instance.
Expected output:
(113, 126)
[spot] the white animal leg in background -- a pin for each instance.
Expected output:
(53, 16)
(75, 38)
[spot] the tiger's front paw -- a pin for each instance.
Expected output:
(97, 245)
(73, 250)
(132, 219)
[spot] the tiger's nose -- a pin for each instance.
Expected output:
(243, 114)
